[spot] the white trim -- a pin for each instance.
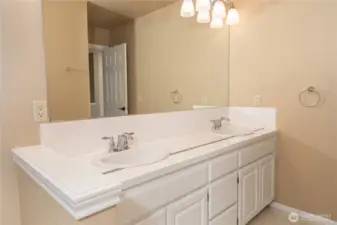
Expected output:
(99, 84)
(97, 51)
(301, 213)
(97, 48)
(99, 58)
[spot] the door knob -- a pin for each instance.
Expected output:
(123, 108)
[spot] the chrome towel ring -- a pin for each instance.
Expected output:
(176, 97)
(310, 90)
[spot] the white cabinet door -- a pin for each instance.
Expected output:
(115, 81)
(267, 180)
(158, 218)
(223, 193)
(248, 193)
(190, 210)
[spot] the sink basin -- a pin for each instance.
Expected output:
(236, 130)
(130, 158)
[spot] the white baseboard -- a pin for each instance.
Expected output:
(302, 214)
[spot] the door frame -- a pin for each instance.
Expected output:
(97, 51)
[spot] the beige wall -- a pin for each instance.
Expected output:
(278, 49)
(46, 211)
(122, 34)
(99, 36)
(66, 44)
(23, 79)
(170, 53)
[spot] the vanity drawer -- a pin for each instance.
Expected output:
(253, 152)
(222, 194)
(146, 198)
(229, 217)
(222, 165)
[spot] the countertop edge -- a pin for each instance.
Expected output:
(78, 210)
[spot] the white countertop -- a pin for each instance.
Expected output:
(82, 189)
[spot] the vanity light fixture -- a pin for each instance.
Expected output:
(232, 17)
(203, 5)
(211, 8)
(203, 17)
(217, 23)
(187, 9)
(219, 10)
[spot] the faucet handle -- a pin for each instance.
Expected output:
(107, 138)
(111, 139)
(213, 121)
(112, 144)
(129, 135)
(216, 124)
(225, 119)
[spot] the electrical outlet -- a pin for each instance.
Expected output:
(257, 100)
(40, 111)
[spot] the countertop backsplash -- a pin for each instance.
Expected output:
(76, 138)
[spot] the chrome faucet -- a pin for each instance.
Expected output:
(217, 123)
(122, 144)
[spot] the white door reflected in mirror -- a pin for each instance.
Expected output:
(115, 81)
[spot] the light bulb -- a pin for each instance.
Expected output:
(203, 5)
(219, 10)
(216, 23)
(232, 17)
(187, 9)
(203, 17)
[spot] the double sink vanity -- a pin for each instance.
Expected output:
(126, 153)
(229, 188)
(223, 175)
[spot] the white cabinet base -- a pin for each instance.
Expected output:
(213, 192)
(190, 210)
(222, 194)
(248, 193)
(256, 188)
(267, 180)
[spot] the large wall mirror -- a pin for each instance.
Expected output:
(113, 58)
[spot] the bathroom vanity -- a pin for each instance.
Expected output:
(226, 189)
(224, 182)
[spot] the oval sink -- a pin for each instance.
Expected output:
(130, 158)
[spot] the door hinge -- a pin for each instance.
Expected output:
(238, 180)
(237, 221)
(207, 198)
